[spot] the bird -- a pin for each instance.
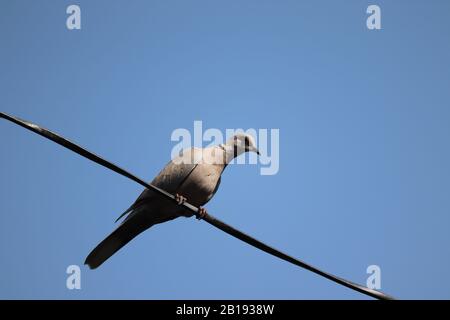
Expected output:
(193, 176)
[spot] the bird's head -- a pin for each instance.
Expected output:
(242, 142)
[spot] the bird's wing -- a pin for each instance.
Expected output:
(149, 209)
(170, 179)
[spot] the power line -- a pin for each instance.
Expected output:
(207, 217)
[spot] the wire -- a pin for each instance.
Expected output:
(207, 217)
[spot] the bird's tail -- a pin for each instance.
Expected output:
(128, 230)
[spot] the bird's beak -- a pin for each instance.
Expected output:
(254, 149)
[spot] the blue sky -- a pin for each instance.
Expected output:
(364, 145)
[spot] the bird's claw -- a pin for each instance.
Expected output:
(180, 199)
(201, 213)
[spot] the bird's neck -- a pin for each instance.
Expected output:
(220, 155)
(228, 153)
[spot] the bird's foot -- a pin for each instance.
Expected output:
(180, 199)
(201, 213)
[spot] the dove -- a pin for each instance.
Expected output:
(193, 176)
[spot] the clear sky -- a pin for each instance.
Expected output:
(364, 119)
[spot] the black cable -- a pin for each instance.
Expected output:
(207, 217)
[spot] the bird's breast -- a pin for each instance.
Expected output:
(201, 184)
